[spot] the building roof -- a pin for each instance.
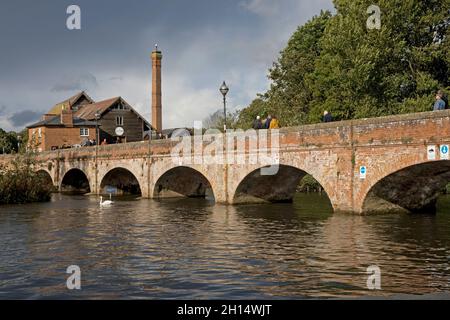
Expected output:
(56, 122)
(69, 102)
(88, 111)
(85, 115)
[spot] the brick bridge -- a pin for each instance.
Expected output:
(401, 174)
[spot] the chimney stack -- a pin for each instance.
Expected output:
(156, 90)
(67, 118)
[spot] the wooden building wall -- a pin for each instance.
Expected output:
(132, 125)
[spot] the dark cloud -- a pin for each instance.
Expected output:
(204, 42)
(76, 83)
(22, 118)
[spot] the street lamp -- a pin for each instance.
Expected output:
(97, 133)
(224, 90)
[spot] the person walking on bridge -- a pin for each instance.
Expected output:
(257, 124)
(327, 117)
(274, 124)
(444, 97)
(440, 103)
(268, 121)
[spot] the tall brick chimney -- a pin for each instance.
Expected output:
(156, 90)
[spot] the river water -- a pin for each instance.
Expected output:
(193, 249)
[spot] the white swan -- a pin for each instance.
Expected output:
(105, 203)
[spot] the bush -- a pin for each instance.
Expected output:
(20, 184)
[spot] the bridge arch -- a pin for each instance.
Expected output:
(183, 181)
(45, 176)
(75, 181)
(120, 181)
(278, 186)
(411, 188)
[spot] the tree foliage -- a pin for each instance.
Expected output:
(335, 63)
(12, 142)
(216, 120)
(8, 142)
(19, 183)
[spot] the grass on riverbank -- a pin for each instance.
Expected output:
(19, 183)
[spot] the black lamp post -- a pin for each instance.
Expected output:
(97, 133)
(224, 90)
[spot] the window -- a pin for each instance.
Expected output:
(84, 132)
(119, 106)
(40, 132)
(119, 121)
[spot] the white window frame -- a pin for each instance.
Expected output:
(119, 121)
(84, 132)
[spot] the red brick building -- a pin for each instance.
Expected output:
(73, 122)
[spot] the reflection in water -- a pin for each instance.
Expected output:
(194, 249)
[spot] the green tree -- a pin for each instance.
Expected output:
(289, 95)
(368, 73)
(258, 107)
(23, 140)
(217, 121)
(8, 142)
(336, 63)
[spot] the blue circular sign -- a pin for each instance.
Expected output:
(444, 149)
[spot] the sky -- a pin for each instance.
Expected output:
(203, 42)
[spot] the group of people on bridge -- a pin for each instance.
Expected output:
(271, 122)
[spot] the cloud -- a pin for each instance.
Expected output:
(116, 78)
(203, 44)
(265, 8)
(22, 118)
(76, 83)
(2, 109)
